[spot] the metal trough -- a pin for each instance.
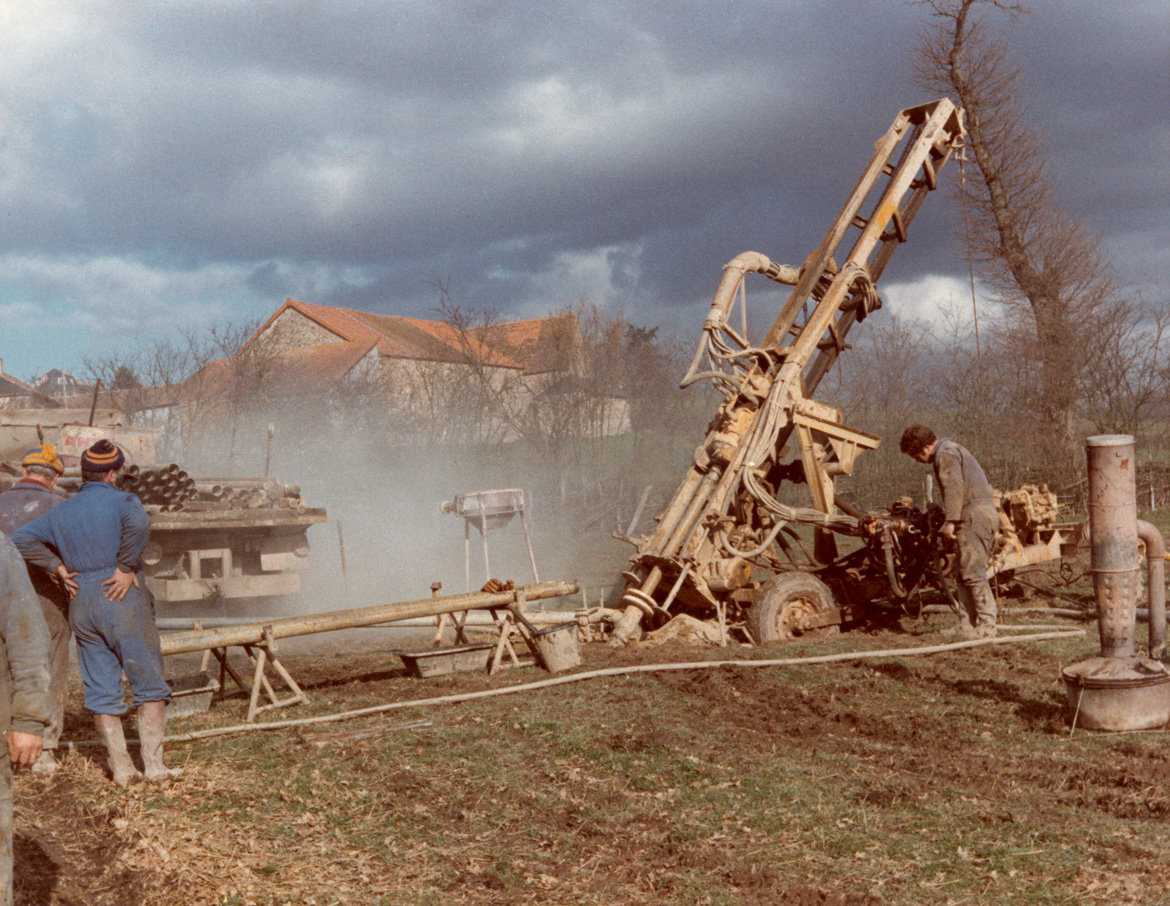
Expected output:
(441, 661)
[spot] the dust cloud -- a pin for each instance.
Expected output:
(386, 539)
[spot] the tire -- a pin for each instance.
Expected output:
(785, 604)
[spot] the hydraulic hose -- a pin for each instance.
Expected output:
(623, 671)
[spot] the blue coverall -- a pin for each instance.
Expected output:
(98, 529)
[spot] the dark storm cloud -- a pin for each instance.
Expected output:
(220, 157)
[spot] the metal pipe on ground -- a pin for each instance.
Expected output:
(254, 633)
(474, 620)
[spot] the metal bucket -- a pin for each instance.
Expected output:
(559, 647)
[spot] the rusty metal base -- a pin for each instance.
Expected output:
(1118, 693)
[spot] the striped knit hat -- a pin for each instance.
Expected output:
(44, 456)
(102, 457)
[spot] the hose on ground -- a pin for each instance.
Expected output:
(618, 671)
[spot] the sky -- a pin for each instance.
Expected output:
(175, 165)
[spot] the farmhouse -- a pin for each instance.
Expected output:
(484, 382)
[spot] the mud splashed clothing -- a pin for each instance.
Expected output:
(24, 683)
(24, 502)
(968, 501)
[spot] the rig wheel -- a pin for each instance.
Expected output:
(787, 604)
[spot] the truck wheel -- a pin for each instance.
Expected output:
(787, 604)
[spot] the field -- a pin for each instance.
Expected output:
(942, 779)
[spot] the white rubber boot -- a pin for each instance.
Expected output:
(109, 728)
(46, 764)
(152, 727)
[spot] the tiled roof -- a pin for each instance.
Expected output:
(397, 336)
(297, 371)
(307, 369)
(437, 341)
(534, 346)
(11, 388)
(539, 345)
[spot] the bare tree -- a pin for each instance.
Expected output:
(887, 383)
(481, 397)
(1045, 266)
(1129, 353)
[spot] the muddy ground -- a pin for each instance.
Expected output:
(79, 842)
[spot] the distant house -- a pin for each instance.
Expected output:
(16, 394)
(484, 381)
(61, 385)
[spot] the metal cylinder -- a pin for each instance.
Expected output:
(1114, 555)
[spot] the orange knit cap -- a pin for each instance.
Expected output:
(44, 456)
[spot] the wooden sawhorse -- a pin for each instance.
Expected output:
(262, 655)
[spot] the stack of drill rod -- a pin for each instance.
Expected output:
(171, 489)
(247, 494)
(168, 487)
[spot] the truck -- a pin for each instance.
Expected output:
(214, 542)
(734, 538)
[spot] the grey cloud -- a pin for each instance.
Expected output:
(349, 152)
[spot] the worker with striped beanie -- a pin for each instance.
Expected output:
(101, 458)
(93, 542)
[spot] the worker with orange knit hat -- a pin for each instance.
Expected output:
(29, 498)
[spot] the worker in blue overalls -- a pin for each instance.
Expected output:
(93, 542)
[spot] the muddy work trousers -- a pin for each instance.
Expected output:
(976, 538)
(57, 619)
(6, 834)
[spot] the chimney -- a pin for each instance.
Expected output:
(1, 366)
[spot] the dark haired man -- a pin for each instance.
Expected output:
(94, 541)
(971, 519)
(29, 498)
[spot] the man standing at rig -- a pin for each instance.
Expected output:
(971, 520)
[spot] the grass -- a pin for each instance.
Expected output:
(947, 779)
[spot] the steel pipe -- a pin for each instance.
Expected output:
(254, 633)
(1156, 582)
(1113, 531)
(475, 620)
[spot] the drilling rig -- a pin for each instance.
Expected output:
(726, 520)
